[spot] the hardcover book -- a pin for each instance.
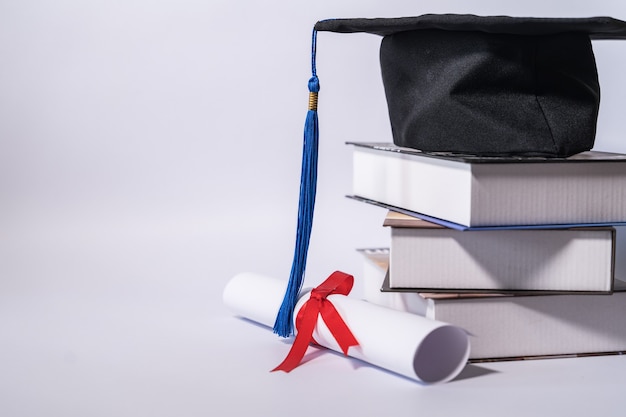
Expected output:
(464, 192)
(428, 257)
(526, 326)
(513, 326)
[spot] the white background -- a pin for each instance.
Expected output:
(150, 150)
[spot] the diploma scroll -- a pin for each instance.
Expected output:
(425, 350)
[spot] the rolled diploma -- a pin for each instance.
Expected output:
(422, 349)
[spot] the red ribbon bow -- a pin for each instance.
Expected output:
(337, 283)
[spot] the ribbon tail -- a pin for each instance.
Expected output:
(301, 342)
(338, 328)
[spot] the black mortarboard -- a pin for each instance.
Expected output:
(489, 85)
(474, 85)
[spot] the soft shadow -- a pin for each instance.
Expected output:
(314, 353)
(473, 371)
(254, 323)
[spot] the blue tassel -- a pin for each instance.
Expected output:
(308, 184)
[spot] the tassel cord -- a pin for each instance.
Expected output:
(283, 325)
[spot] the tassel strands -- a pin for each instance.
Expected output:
(283, 325)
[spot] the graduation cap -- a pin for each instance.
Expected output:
(474, 85)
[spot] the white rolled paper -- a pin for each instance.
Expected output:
(422, 349)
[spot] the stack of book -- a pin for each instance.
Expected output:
(520, 252)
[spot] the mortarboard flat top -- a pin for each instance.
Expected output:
(595, 27)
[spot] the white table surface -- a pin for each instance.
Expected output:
(93, 326)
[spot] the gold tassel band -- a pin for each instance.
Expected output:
(312, 101)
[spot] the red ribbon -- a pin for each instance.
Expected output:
(337, 283)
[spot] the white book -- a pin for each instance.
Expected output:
(465, 191)
(428, 257)
(504, 327)
(515, 327)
